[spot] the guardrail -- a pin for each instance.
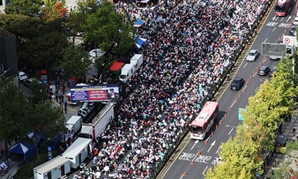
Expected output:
(246, 41)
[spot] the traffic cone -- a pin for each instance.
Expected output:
(257, 68)
(230, 108)
(212, 133)
(251, 76)
(220, 122)
(192, 162)
(260, 64)
(225, 116)
(199, 152)
(206, 141)
(184, 174)
(236, 100)
(216, 126)
(239, 96)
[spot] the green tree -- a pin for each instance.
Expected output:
(38, 93)
(46, 121)
(24, 7)
(107, 27)
(13, 112)
(75, 61)
(45, 50)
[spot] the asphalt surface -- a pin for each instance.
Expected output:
(186, 158)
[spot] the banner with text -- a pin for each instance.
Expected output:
(94, 93)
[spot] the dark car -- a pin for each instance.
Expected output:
(28, 81)
(237, 83)
(271, 72)
(264, 70)
(293, 30)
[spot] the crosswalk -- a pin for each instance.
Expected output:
(282, 22)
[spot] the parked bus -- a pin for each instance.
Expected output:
(282, 7)
(204, 121)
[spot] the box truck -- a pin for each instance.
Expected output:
(126, 72)
(137, 61)
(99, 122)
(54, 169)
(78, 151)
(73, 126)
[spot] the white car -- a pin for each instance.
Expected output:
(295, 21)
(83, 112)
(22, 76)
(252, 55)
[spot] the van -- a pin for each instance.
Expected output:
(126, 72)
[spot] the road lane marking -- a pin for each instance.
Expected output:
(194, 144)
(217, 150)
(220, 96)
(230, 131)
(231, 126)
(274, 29)
(282, 19)
(265, 40)
(232, 104)
(273, 18)
(254, 74)
(245, 65)
(213, 143)
(182, 176)
(290, 8)
(276, 18)
(205, 170)
(271, 24)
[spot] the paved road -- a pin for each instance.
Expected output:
(181, 162)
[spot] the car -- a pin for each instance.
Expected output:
(275, 57)
(292, 30)
(83, 112)
(252, 55)
(263, 71)
(237, 83)
(295, 22)
(28, 81)
(270, 74)
(22, 76)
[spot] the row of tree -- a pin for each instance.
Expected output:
(44, 29)
(20, 114)
(242, 155)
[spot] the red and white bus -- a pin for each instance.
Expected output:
(204, 121)
(282, 7)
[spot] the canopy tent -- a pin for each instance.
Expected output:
(19, 149)
(138, 23)
(116, 66)
(140, 42)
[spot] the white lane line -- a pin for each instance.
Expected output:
(230, 131)
(182, 176)
(233, 104)
(282, 19)
(245, 65)
(205, 170)
(194, 144)
(254, 74)
(290, 8)
(274, 29)
(217, 150)
(265, 40)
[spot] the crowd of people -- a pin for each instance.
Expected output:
(189, 46)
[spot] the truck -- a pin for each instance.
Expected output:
(137, 61)
(73, 125)
(290, 50)
(54, 169)
(99, 122)
(126, 72)
(78, 151)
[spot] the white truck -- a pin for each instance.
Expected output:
(137, 61)
(99, 122)
(78, 151)
(73, 125)
(126, 72)
(54, 169)
(290, 50)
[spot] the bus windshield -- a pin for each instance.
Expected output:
(280, 8)
(197, 129)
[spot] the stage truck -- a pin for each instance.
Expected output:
(204, 121)
(282, 7)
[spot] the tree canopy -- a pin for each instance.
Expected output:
(265, 110)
